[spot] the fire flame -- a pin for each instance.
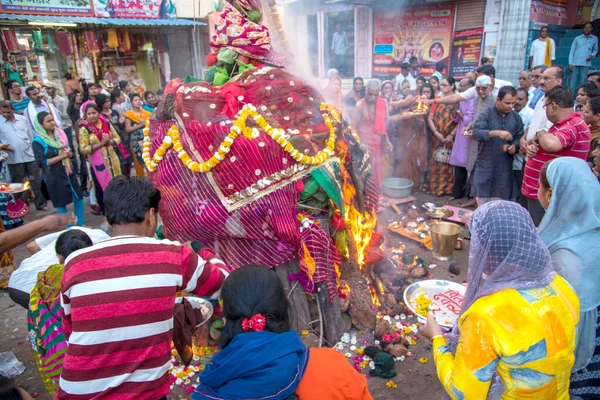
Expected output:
(345, 289)
(381, 289)
(374, 297)
(422, 107)
(361, 228)
(26, 185)
(360, 225)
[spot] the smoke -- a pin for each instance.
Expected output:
(294, 20)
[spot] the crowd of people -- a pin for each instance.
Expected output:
(480, 137)
(70, 147)
(100, 301)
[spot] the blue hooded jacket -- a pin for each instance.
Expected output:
(255, 365)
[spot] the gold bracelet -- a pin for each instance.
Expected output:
(436, 336)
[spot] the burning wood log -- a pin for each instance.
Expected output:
(299, 311)
(331, 316)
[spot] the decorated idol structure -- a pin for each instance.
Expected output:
(251, 162)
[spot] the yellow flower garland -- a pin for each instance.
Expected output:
(172, 138)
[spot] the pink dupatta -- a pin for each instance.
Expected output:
(100, 168)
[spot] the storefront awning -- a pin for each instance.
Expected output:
(100, 21)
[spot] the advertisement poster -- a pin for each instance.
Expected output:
(134, 8)
(47, 7)
(425, 33)
(466, 52)
(584, 11)
(546, 12)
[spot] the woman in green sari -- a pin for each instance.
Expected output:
(44, 321)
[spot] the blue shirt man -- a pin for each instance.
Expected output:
(583, 49)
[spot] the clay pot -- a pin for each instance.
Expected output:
(382, 328)
(346, 322)
(364, 320)
(389, 300)
(396, 350)
(418, 272)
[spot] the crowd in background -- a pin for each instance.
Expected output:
(70, 147)
(480, 137)
(537, 144)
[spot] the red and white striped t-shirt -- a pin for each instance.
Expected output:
(575, 138)
(117, 299)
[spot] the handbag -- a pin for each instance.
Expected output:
(17, 208)
(442, 155)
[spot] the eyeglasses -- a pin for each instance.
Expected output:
(548, 104)
(536, 76)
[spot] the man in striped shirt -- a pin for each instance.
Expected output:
(118, 297)
(569, 136)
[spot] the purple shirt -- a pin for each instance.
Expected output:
(461, 143)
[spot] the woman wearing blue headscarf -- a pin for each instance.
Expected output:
(570, 193)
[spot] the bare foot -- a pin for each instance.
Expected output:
(471, 203)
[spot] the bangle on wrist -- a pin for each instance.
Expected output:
(436, 336)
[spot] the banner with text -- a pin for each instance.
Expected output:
(544, 12)
(134, 8)
(47, 7)
(466, 52)
(425, 33)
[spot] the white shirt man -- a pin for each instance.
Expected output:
(16, 133)
(538, 51)
(401, 78)
(23, 279)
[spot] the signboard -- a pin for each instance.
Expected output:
(425, 33)
(134, 8)
(466, 52)
(545, 12)
(47, 7)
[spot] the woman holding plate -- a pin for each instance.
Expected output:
(515, 336)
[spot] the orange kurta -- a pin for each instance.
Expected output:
(329, 376)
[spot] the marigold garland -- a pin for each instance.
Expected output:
(172, 138)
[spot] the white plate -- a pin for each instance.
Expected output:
(13, 188)
(446, 297)
(199, 302)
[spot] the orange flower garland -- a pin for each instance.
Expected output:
(172, 138)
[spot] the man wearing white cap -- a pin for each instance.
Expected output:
(485, 99)
(484, 70)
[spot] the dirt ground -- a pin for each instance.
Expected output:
(414, 380)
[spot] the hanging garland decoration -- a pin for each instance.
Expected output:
(172, 138)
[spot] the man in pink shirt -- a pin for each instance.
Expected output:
(569, 136)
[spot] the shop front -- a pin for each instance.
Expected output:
(144, 51)
(382, 34)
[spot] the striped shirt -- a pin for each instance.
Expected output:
(575, 138)
(117, 300)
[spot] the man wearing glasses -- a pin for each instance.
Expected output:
(569, 136)
(17, 99)
(536, 79)
(551, 78)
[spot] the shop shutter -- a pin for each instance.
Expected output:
(469, 14)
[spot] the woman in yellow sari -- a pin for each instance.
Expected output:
(515, 336)
(135, 120)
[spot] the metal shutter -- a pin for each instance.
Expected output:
(469, 14)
